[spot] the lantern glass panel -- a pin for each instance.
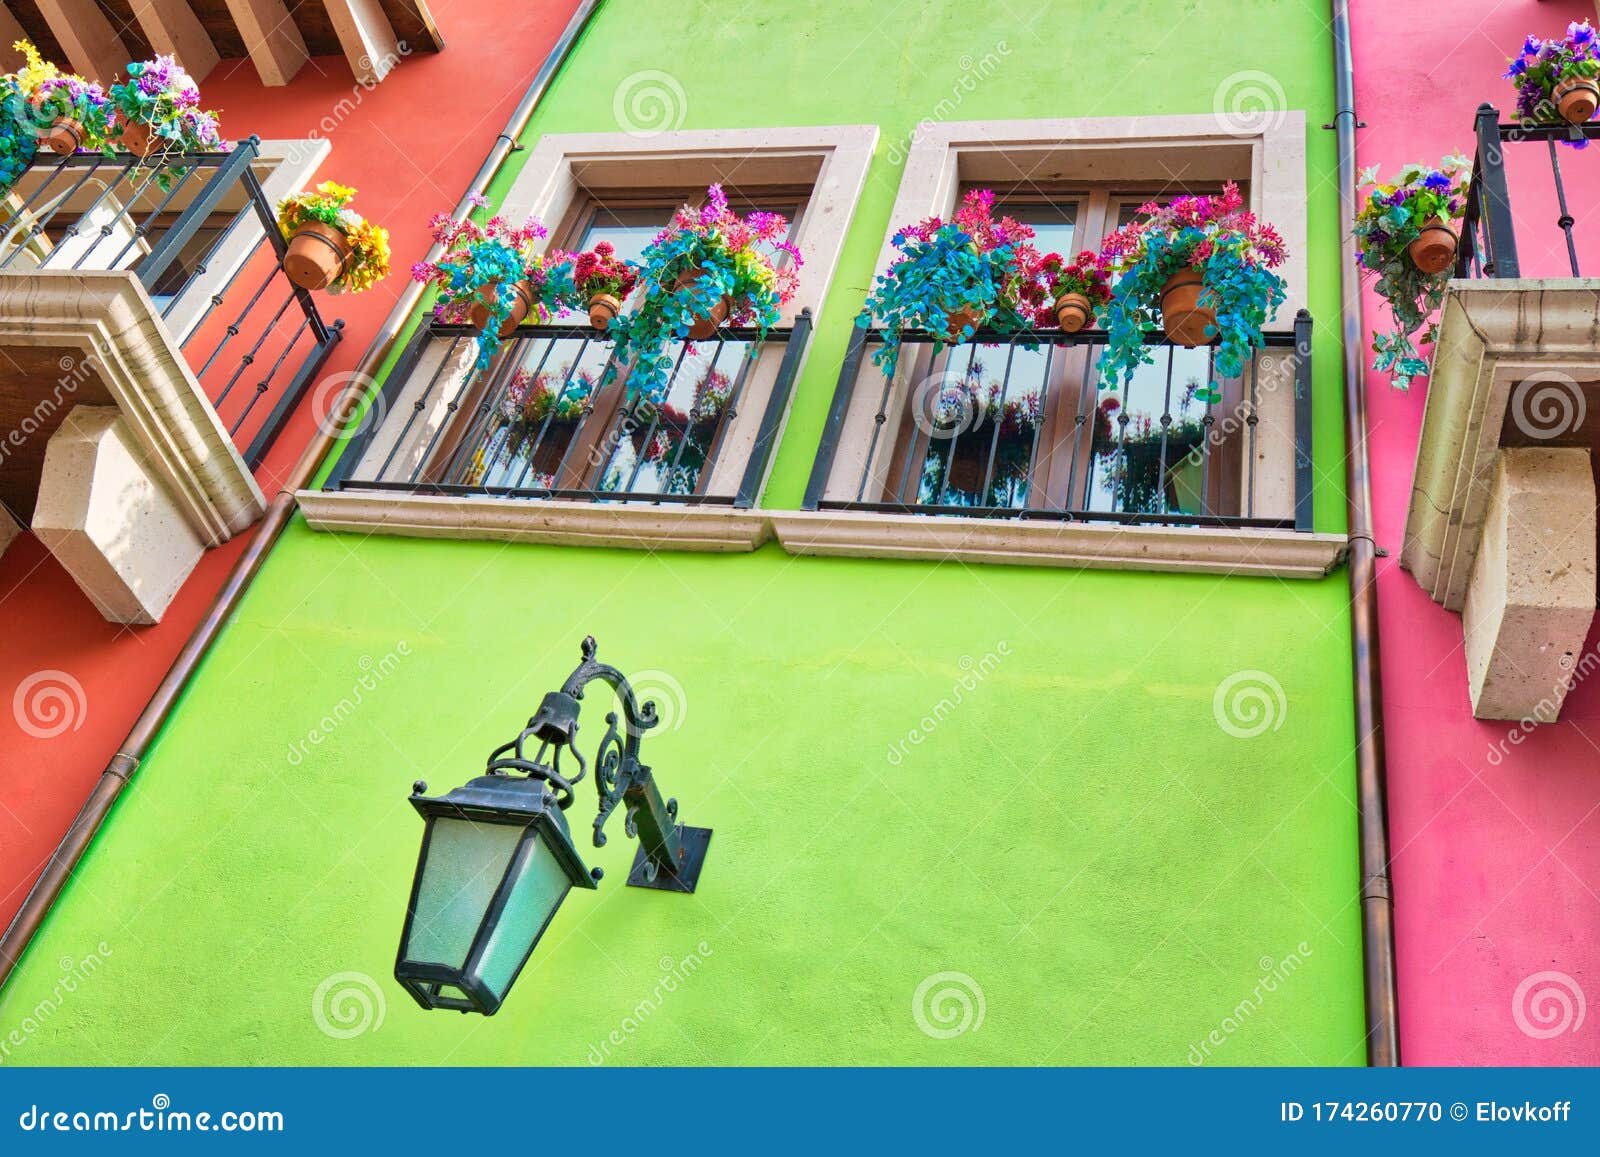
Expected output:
(465, 864)
(535, 896)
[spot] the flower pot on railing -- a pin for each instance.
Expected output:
(316, 256)
(1182, 316)
(602, 308)
(64, 136)
(1434, 249)
(521, 304)
(704, 324)
(973, 315)
(138, 138)
(1576, 98)
(1073, 311)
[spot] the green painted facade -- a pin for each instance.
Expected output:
(1012, 774)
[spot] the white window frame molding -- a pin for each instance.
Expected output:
(833, 159)
(1271, 157)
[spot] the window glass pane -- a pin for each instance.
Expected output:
(465, 863)
(1133, 470)
(1054, 224)
(980, 414)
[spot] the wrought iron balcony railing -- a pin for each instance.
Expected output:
(541, 421)
(200, 235)
(1018, 426)
(1488, 229)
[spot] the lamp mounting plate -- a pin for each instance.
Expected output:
(694, 842)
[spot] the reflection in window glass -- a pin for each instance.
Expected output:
(1130, 471)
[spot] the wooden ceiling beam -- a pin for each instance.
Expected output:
(174, 30)
(271, 37)
(92, 44)
(367, 37)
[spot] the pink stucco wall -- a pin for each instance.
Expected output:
(1496, 838)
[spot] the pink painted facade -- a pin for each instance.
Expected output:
(1495, 828)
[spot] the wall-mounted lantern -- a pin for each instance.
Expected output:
(497, 858)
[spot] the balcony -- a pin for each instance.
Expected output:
(539, 446)
(153, 351)
(1501, 526)
(1008, 449)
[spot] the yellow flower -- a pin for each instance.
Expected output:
(36, 71)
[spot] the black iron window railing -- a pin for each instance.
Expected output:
(541, 420)
(201, 237)
(1488, 229)
(1018, 426)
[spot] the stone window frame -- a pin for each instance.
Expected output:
(945, 157)
(832, 159)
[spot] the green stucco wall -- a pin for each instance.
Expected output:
(1065, 824)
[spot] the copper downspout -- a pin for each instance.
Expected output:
(125, 763)
(1377, 897)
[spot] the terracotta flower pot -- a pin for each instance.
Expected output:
(1073, 311)
(706, 325)
(602, 308)
(521, 304)
(1434, 250)
(64, 137)
(961, 318)
(1182, 316)
(1576, 98)
(316, 256)
(138, 138)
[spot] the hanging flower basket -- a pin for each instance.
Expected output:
(330, 246)
(1406, 234)
(138, 138)
(1434, 250)
(1193, 265)
(705, 323)
(65, 136)
(522, 302)
(1558, 74)
(1077, 288)
(603, 281)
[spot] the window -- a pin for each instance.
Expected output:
(542, 422)
(1013, 427)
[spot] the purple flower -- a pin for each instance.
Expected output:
(1436, 181)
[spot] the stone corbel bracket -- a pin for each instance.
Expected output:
(131, 495)
(1501, 525)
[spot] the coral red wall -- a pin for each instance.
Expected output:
(1496, 843)
(71, 684)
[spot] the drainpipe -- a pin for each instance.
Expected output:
(126, 762)
(1377, 896)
